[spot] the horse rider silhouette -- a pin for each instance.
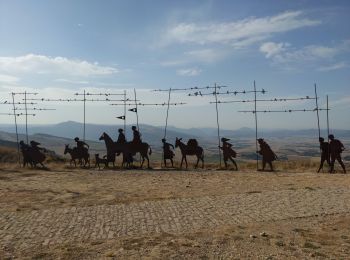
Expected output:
(121, 138)
(136, 135)
(136, 138)
(81, 145)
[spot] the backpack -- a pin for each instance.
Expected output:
(338, 146)
(192, 143)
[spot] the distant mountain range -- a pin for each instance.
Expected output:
(285, 142)
(153, 134)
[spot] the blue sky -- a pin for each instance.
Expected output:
(60, 47)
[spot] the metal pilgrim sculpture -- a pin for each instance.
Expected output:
(191, 148)
(128, 149)
(228, 152)
(32, 154)
(168, 154)
(336, 148)
(268, 156)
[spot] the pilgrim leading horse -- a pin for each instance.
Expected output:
(187, 150)
(127, 149)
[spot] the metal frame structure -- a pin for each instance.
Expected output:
(231, 92)
(84, 100)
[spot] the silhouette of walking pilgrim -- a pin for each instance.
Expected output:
(336, 148)
(268, 156)
(168, 154)
(32, 154)
(228, 152)
(325, 154)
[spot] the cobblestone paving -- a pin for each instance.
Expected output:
(54, 226)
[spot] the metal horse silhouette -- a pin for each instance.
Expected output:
(188, 149)
(77, 154)
(128, 149)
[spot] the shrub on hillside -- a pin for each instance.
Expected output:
(8, 155)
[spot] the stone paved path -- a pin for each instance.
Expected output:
(54, 226)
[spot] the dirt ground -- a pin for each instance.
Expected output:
(202, 214)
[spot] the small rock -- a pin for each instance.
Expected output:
(263, 234)
(252, 236)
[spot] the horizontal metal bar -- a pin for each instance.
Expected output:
(35, 109)
(190, 88)
(264, 100)
(283, 111)
(150, 104)
(199, 93)
(76, 100)
(24, 93)
(98, 94)
(17, 103)
(18, 114)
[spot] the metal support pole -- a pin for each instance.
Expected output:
(137, 112)
(167, 114)
(26, 115)
(84, 100)
(14, 114)
(256, 128)
(328, 125)
(166, 125)
(318, 116)
(217, 121)
(137, 118)
(124, 111)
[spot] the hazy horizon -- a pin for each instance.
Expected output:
(170, 126)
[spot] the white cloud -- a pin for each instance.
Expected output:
(271, 49)
(205, 55)
(8, 79)
(40, 64)
(336, 66)
(72, 81)
(314, 55)
(195, 56)
(341, 102)
(189, 72)
(239, 33)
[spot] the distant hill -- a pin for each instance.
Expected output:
(9, 144)
(71, 129)
(153, 134)
(285, 142)
(50, 142)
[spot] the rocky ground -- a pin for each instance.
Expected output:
(161, 214)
